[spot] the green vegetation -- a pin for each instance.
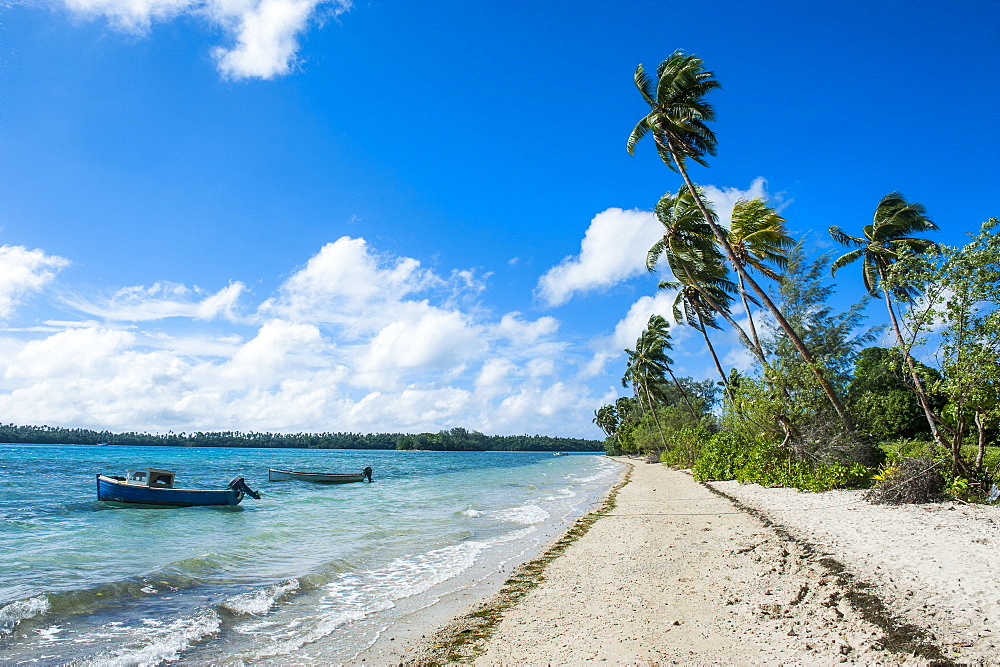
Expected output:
(821, 407)
(456, 439)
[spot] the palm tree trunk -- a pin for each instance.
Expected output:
(694, 413)
(981, 441)
(718, 364)
(724, 314)
(746, 307)
(800, 346)
(918, 385)
(656, 419)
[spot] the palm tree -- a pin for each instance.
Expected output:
(648, 366)
(606, 419)
(678, 122)
(694, 258)
(759, 239)
(703, 280)
(884, 242)
(690, 307)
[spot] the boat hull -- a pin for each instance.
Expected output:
(113, 490)
(275, 475)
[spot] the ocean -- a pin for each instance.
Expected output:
(309, 573)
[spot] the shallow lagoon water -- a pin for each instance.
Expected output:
(309, 572)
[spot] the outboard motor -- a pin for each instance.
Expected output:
(239, 484)
(368, 473)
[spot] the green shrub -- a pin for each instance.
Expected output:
(685, 445)
(726, 456)
(721, 458)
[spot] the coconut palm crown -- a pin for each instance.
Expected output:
(759, 238)
(678, 113)
(886, 240)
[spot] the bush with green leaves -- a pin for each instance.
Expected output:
(685, 445)
(674, 430)
(727, 456)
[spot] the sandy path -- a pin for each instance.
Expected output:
(678, 573)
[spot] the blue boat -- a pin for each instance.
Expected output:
(153, 486)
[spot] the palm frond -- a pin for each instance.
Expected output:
(653, 255)
(844, 238)
(845, 259)
(645, 85)
(638, 132)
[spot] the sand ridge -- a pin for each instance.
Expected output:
(681, 572)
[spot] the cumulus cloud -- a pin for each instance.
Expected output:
(613, 249)
(614, 246)
(723, 199)
(345, 282)
(354, 340)
(264, 34)
(24, 272)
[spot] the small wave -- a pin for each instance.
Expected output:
(356, 595)
(260, 601)
(526, 514)
(21, 610)
(473, 513)
(159, 643)
(561, 494)
(605, 467)
(512, 536)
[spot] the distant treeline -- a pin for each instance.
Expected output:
(456, 439)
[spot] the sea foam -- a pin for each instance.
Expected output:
(260, 601)
(158, 643)
(21, 610)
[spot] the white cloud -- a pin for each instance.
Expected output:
(160, 301)
(522, 333)
(346, 283)
(68, 353)
(132, 15)
(266, 38)
(613, 249)
(615, 244)
(265, 32)
(422, 339)
(24, 272)
(280, 350)
(723, 199)
(353, 341)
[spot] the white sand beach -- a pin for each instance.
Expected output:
(681, 572)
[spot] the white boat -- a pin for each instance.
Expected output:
(276, 475)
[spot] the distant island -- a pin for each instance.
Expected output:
(455, 439)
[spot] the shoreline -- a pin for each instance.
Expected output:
(410, 637)
(461, 639)
(682, 571)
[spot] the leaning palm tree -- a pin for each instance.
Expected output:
(691, 307)
(647, 368)
(606, 419)
(759, 240)
(692, 255)
(678, 122)
(887, 240)
(658, 336)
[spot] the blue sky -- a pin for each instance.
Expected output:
(297, 215)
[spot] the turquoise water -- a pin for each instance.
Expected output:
(309, 572)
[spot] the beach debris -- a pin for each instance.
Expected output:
(908, 481)
(993, 495)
